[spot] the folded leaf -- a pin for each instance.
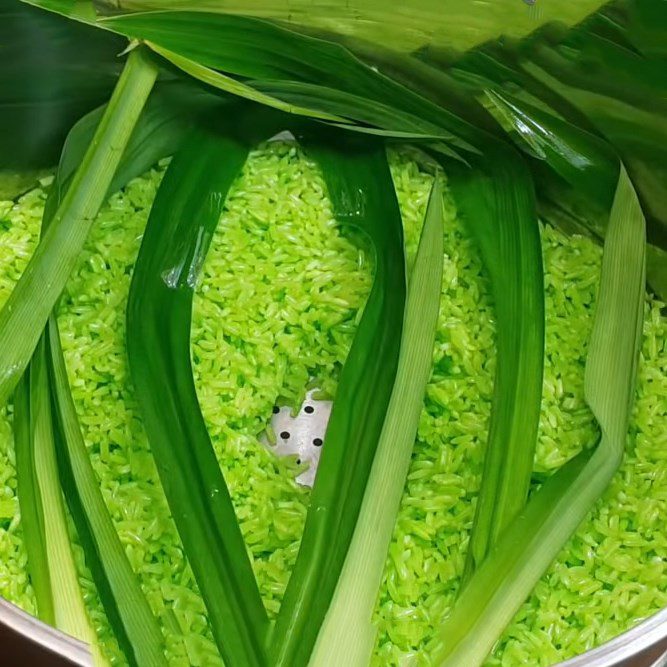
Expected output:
(168, 116)
(51, 554)
(347, 636)
(30, 502)
(184, 216)
(207, 44)
(532, 541)
(495, 199)
(362, 194)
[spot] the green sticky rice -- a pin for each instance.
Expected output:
(274, 314)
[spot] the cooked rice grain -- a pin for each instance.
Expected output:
(274, 314)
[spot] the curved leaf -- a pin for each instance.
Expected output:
(255, 49)
(347, 636)
(362, 193)
(185, 213)
(533, 540)
(495, 198)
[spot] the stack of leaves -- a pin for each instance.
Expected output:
(205, 85)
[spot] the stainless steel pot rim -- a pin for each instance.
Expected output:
(44, 635)
(625, 646)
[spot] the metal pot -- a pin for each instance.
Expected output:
(27, 641)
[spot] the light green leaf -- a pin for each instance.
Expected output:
(25, 313)
(54, 555)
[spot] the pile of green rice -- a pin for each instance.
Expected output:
(275, 313)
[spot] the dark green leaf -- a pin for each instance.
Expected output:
(533, 540)
(182, 221)
(496, 200)
(348, 634)
(362, 193)
(51, 73)
(126, 607)
(256, 49)
(170, 112)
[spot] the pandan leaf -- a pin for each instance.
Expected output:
(406, 26)
(30, 502)
(171, 111)
(59, 597)
(533, 540)
(362, 193)
(127, 608)
(495, 198)
(391, 122)
(184, 216)
(577, 188)
(348, 635)
(227, 84)
(168, 115)
(202, 43)
(25, 313)
(51, 73)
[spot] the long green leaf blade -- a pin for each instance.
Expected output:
(206, 44)
(25, 313)
(362, 193)
(126, 606)
(184, 215)
(127, 609)
(69, 613)
(496, 200)
(30, 503)
(533, 540)
(347, 636)
(390, 121)
(227, 84)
